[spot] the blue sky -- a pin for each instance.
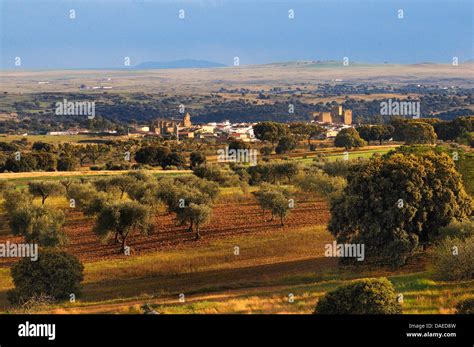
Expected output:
(106, 31)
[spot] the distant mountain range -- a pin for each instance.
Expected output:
(178, 64)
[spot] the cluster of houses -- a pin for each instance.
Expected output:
(184, 129)
(333, 122)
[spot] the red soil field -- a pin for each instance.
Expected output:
(228, 219)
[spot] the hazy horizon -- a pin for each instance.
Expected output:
(105, 32)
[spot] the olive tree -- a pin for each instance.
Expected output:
(39, 224)
(317, 182)
(45, 189)
(122, 219)
(274, 199)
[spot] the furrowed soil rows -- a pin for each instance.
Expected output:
(228, 219)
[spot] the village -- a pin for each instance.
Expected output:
(180, 129)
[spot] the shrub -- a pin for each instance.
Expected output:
(42, 146)
(317, 182)
(13, 199)
(5, 185)
(66, 163)
(337, 168)
(454, 259)
(197, 158)
(222, 176)
(8, 147)
(39, 224)
(465, 306)
(55, 273)
(457, 229)
(266, 150)
(366, 296)
(117, 166)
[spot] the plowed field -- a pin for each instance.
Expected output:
(233, 218)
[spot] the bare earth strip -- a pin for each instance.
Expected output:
(15, 175)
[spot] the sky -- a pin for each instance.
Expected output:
(105, 32)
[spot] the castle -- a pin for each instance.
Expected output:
(336, 115)
(167, 126)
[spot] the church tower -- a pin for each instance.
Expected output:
(187, 120)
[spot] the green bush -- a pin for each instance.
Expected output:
(319, 183)
(117, 166)
(454, 259)
(55, 273)
(14, 199)
(66, 163)
(465, 306)
(223, 176)
(197, 158)
(40, 224)
(457, 229)
(337, 168)
(266, 151)
(366, 296)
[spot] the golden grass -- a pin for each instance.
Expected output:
(63, 174)
(257, 249)
(217, 281)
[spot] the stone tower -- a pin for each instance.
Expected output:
(187, 120)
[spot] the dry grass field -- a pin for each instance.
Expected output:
(253, 77)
